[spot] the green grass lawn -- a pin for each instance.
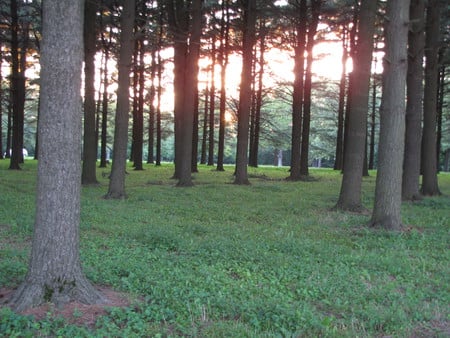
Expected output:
(218, 260)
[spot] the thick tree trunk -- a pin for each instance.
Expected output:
(388, 192)
(429, 161)
(54, 273)
(414, 105)
(116, 188)
(245, 93)
(354, 148)
(88, 174)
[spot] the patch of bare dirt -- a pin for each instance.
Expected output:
(73, 312)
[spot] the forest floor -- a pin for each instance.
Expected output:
(218, 260)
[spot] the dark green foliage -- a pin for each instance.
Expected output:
(265, 260)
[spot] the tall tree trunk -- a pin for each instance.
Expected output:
(104, 111)
(116, 188)
(1, 104)
(54, 272)
(194, 167)
(312, 29)
(17, 90)
(350, 194)
(440, 104)
(205, 124)
(224, 45)
(373, 115)
(139, 137)
(414, 104)
(212, 105)
(388, 191)
(159, 91)
(339, 157)
(152, 111)
(429, 161)
(297, 94)
(245, 92)
(88, 174)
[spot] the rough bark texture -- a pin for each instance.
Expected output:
(54, 273)
(245, 93)
(88, 174)
(355, 138)
(388, 191)
(116, 188)
(429, 160)
(414, 105)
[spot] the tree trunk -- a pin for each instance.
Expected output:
(354, 148)
(338, 164)
(151, 111)
(17, 90)
(1, 104)
(54, 273)
(245, 92)
(117, 179)
(429, 160)
(414, 105)
(297, 94)
(440, 104)
(388, 191)
(88, 174)
(194, 166)
(212, 105)
(104, 113)
(205, 124)
(139, 137)
(224, 44)
(159, 92)
(373, 115)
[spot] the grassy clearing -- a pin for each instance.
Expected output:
(219, 260)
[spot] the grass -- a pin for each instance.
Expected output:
(218, 260)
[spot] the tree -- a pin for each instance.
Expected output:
(245, 92)
(116, 188)
(388, 191)
(1, 104)
(414, 105)
(88, 175)
(355, 138)
(429, 159)
(54, 273)
(185, 22)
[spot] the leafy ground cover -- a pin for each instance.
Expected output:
(217, 260)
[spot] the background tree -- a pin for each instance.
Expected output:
(388, 191)
(414, 105)
(355, 138)
(429, 160)
(88, 174)
(116, 188)
(54, 273)
(245, 91)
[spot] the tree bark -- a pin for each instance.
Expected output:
(414, 104)
(1, 104)
(429, 161)
(388, 191)
(116, 188)
(54, 273)
(245, 93)
(212, 105)
(88, 174)
(354, 149)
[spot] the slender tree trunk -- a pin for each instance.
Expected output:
(205, 124)
(17, 91)
(350, 194)
(54, 272)
(414, 105)
(9, 132)
(429, 160)
(245, 93)
(151, 111)
(297, 95)
(212, 105)
(388, 191)
(372, 122)
(224, 45)
(88, 174)
(117, 179)
(440, 104)
(139, 137)
(194, 167)
(338, 165)
(104, 126)
(159, 91)
(1, 104)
